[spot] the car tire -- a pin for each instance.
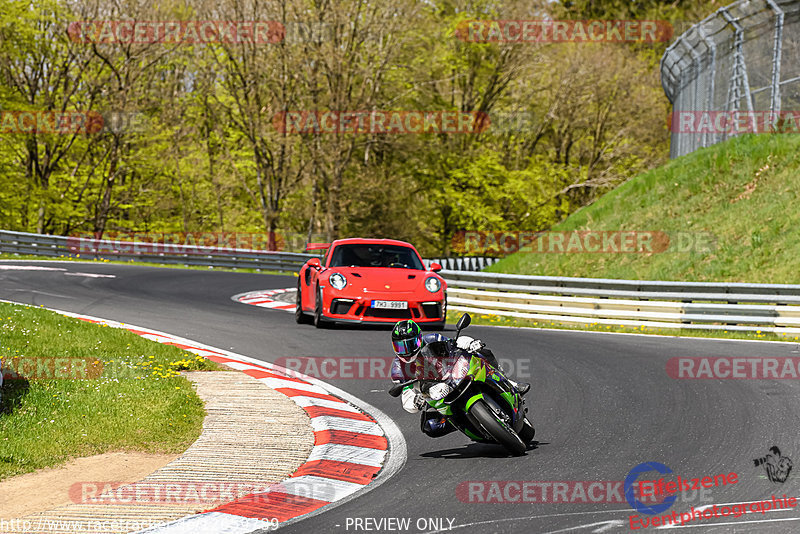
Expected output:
(299, 315)
(319, 321)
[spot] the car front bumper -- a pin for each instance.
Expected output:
(358, 309)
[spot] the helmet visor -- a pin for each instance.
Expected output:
(407, 348)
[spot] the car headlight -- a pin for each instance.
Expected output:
(433, 284)
(338, 281)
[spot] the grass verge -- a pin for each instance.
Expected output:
(75, 389)
(744, 192)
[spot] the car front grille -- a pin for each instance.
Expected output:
(341, 306)
(387, 314)
(432, 311)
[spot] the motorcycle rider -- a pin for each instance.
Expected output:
(407, 342)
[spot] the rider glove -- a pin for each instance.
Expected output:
(413, 401)
(469, 344)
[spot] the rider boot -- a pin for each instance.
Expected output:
(434, 424)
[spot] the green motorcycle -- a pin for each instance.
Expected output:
(474, 396)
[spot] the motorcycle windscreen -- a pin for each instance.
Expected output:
(437, 361)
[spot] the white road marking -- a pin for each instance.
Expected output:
(28, 268)
(529, 517)
(603, 526)
(608, 525)
(737, 523)
(91, 275)
(699, 522)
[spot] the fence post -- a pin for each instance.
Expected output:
(712, 46)
(739, 77)
(775, 101)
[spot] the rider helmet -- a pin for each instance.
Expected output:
(406, 340)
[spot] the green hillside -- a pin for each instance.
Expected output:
(744, 192)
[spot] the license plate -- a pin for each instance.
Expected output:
(390, 304)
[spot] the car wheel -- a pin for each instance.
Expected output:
(299, 315)
(319, 322)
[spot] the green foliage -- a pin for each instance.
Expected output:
(203, 152)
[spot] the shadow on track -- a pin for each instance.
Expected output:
(477, 450)
(385, 327)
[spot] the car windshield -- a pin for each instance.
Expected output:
(374, 255)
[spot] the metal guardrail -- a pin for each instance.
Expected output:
(174, 254)
(168, 254)
(466, 263)
(681, 305)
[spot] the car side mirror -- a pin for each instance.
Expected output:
(315, 263)
(436, 267)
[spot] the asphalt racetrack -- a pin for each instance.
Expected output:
(601, 404)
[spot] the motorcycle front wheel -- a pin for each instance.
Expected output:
(496, 427)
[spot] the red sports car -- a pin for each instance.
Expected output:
(370, 281)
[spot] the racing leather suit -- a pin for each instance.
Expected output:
(432, 423)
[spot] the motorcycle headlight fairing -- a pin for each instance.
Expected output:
(460, 369)
(439, 391)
